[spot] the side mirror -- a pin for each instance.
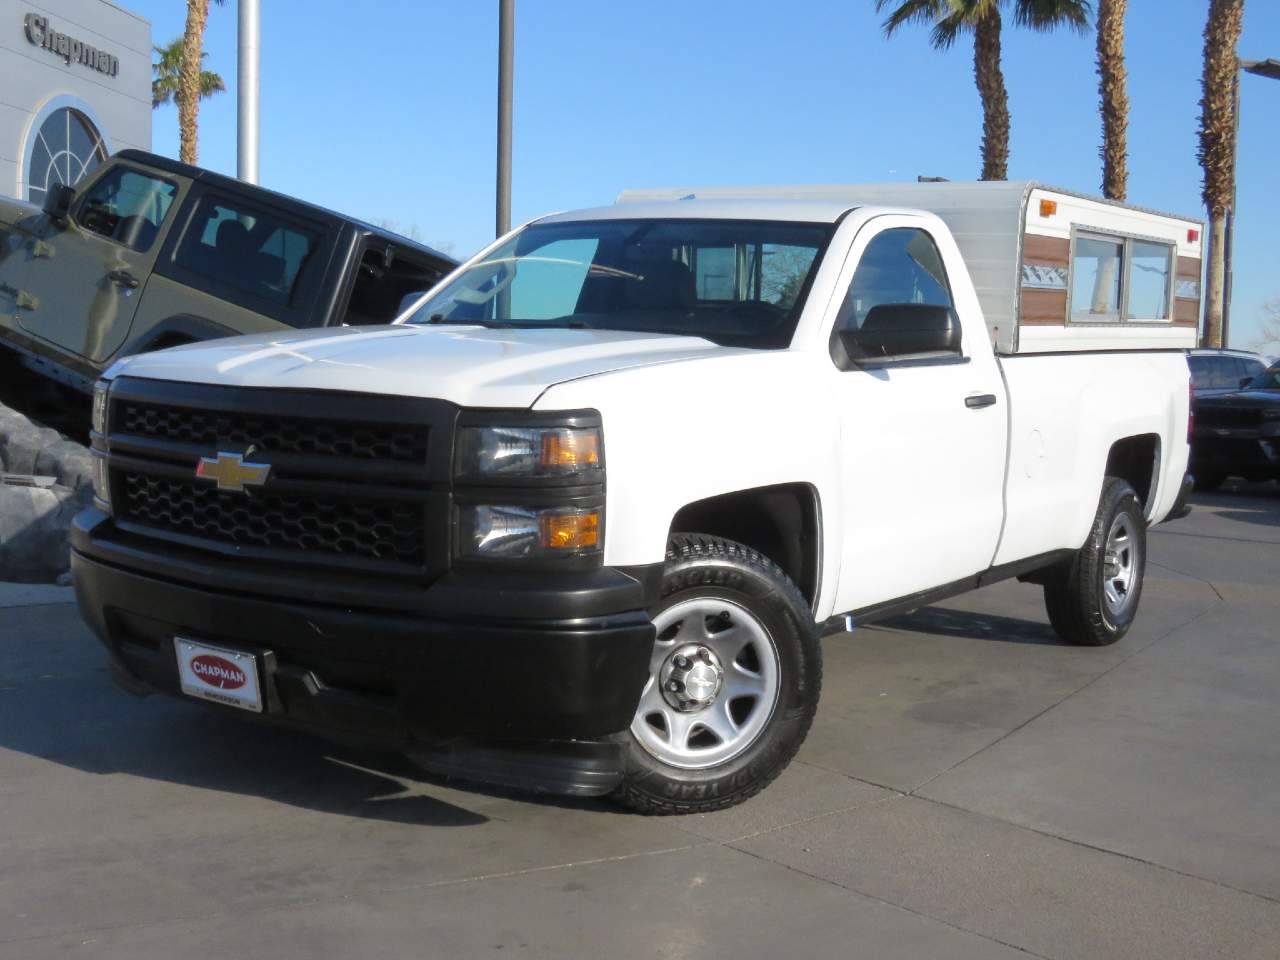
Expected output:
(895, 330)
(1245, 381)
(57, 203)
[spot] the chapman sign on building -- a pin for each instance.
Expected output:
(68, 47)
(75, 87)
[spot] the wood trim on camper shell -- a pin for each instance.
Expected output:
(1039, 306)
(1186, 310)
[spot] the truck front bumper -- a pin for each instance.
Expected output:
(495, 697)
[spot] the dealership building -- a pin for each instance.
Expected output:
(75, 87)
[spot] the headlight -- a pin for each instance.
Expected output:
(515, 532)
(520, 453)
(100, 391)
(101, 487)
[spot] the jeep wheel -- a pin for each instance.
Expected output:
(733, 683)
(1093, 600)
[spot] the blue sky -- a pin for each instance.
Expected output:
(386, 111)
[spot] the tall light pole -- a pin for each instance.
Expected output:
(250, 46)
(506, 58)
(1260, 68)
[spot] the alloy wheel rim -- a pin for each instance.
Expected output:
(1119, 565)
(713, 684)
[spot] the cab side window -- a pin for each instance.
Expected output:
(901, 265)
(127, 207)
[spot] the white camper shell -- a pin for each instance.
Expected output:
(1055, 271)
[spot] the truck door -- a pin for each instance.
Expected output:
(922, 439)
(87, 277)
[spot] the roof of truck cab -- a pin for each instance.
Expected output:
(795, 211)
(208, 176)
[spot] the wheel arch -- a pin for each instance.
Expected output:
(781, 521)
(1136, 459)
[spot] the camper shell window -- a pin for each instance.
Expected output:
(1117, 278)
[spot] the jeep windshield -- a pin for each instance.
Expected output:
(735, 282)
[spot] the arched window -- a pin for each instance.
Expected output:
(65, 148)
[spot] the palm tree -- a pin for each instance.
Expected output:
(951, 18)
(1114, 98)
(189, 77)
(1218, 146)
(164, 83)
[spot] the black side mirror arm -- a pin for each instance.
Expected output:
(57, 204)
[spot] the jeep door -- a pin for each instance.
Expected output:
(237, 262)
(87, 277)
(923, 437)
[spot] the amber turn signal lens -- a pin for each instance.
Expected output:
(571, 449)
(1048, 208)
(569, 531)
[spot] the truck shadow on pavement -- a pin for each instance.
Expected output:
(79, 720)
(975, 626)
(1245, 502)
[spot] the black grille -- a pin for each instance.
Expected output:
(385, 531)
(1216, 416)
(399, 443)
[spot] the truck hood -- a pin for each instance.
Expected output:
(470, 366)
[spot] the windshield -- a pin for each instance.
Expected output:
(731, 281)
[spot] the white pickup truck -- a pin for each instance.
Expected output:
(579, 519)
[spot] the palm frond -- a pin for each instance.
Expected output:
(949, 28)
(166, 70)
(1046, 15)
(911, 11)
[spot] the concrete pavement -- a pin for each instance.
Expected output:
(972, 788)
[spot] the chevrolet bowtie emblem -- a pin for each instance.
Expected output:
(231, 473)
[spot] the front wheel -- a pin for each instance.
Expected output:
(1093, 600)
(733, 681)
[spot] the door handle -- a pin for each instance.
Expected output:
(124, 278)
(978, 401)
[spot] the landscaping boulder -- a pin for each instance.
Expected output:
(21, 441)
(35, 516)
(33, 532)
(70, 463)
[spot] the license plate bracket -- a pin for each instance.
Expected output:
(218, 674)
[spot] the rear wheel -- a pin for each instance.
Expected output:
(1093, 600)
(733, 681)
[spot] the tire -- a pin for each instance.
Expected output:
(1209, 480)
(742, 628)
(1090, 601)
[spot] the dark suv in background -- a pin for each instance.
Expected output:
(1237, 417)
(1216, 372)
(148, 253)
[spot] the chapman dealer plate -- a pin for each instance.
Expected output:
(229, 677)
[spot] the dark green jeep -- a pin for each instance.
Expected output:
(149, 253)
